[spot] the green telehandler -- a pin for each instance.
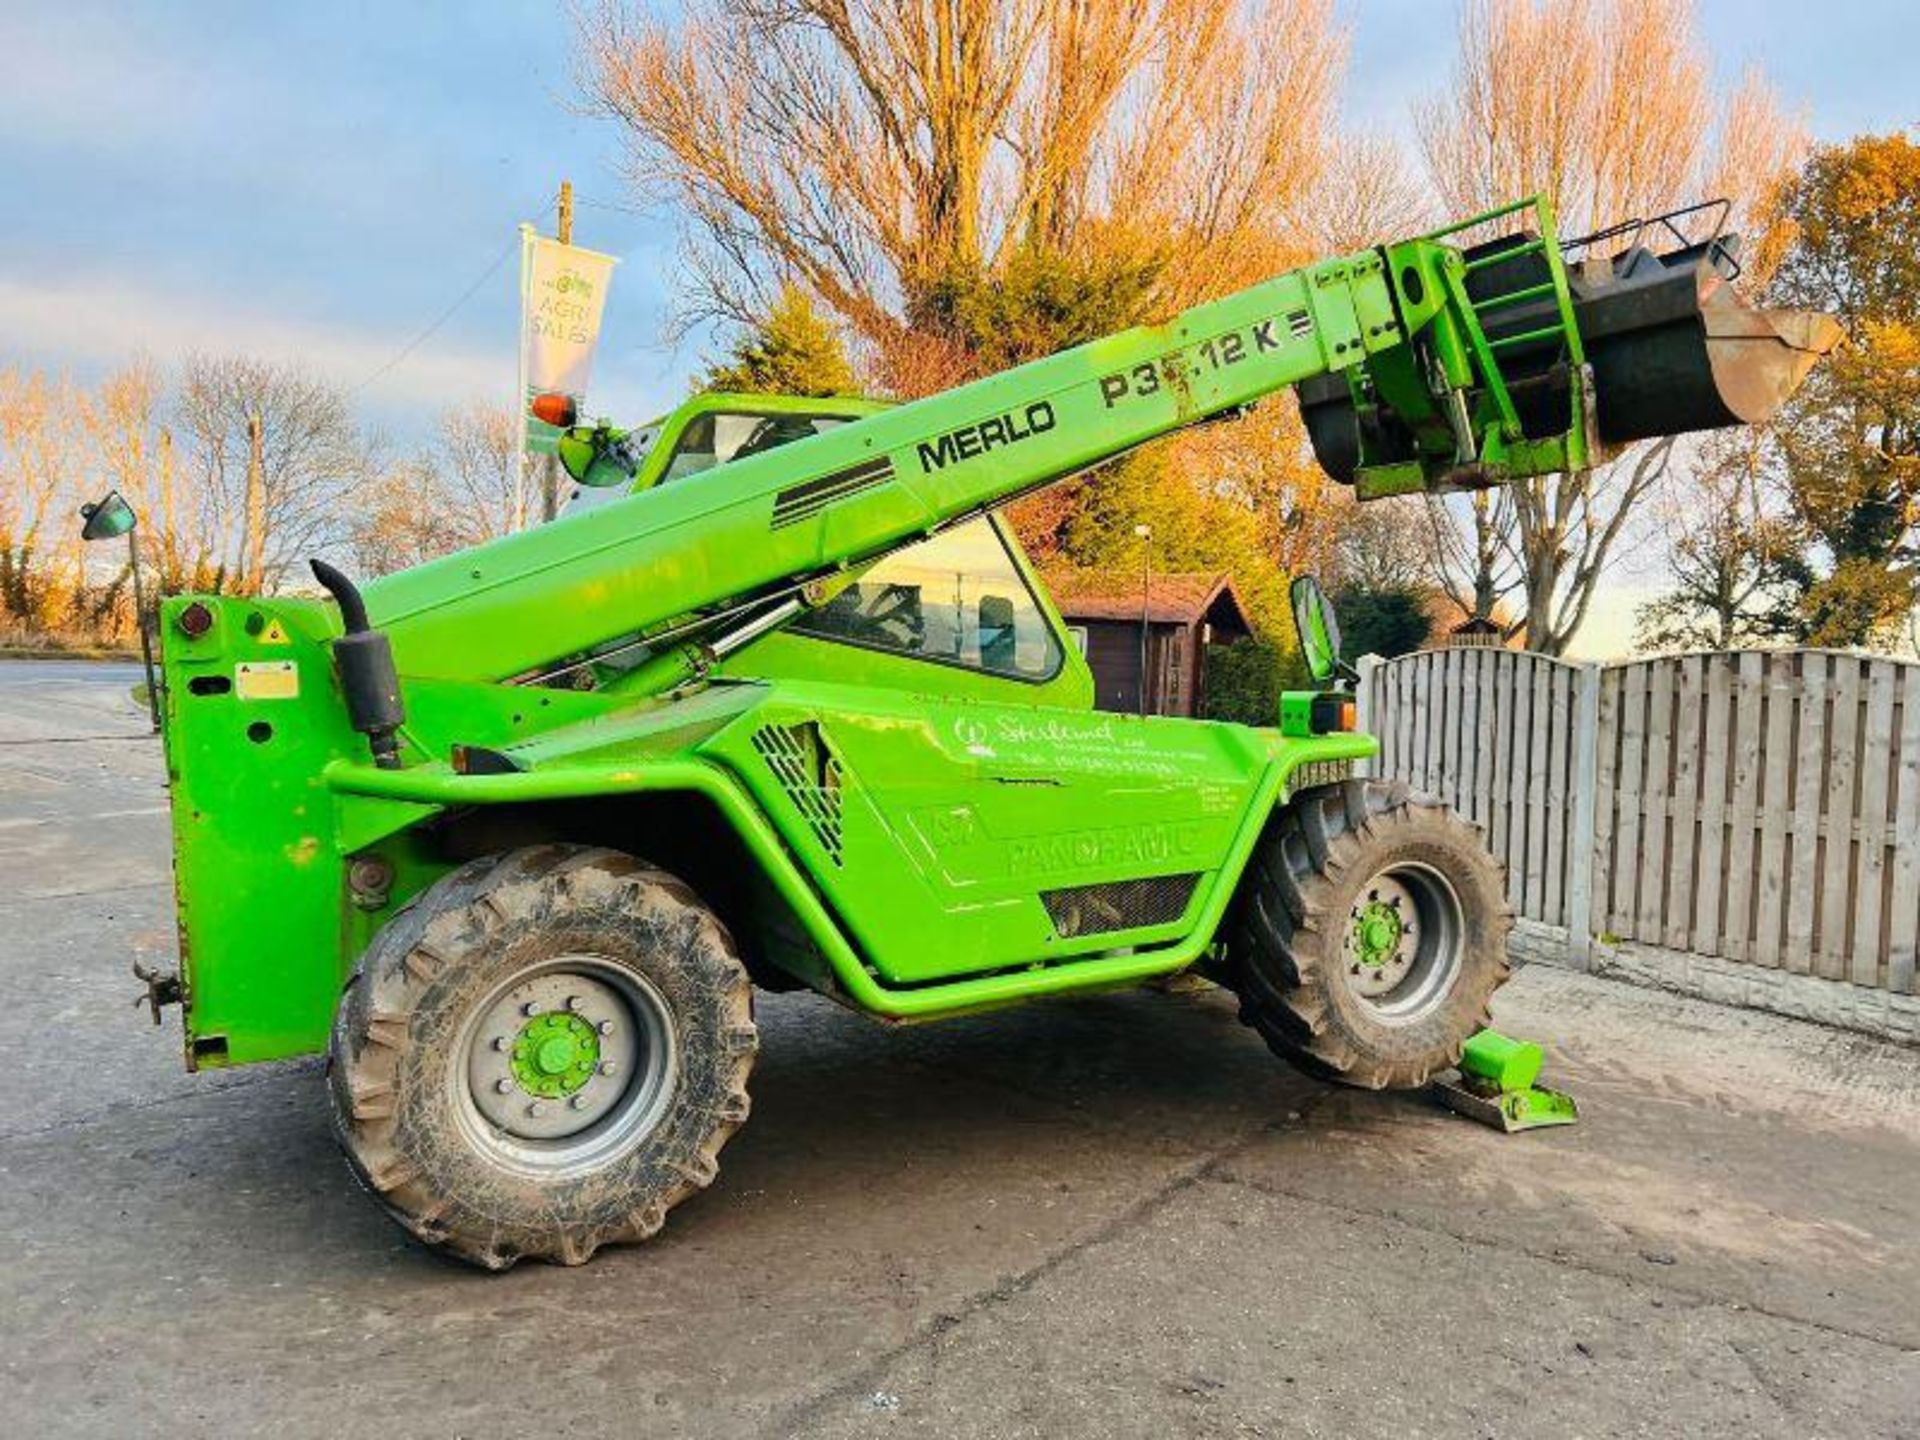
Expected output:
(513, 835)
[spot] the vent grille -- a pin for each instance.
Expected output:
(809, 771)
(1118, 904)
(1319, 772)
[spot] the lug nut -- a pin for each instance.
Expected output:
(575, 1004)
(529, 1009)
(536, 1110)
(606, 1027)
(500, 1042)
(579, 1102)
(505, 1087)
(607, 1067)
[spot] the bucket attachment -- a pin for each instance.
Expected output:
(1675, 347)
(1584, 357)
(1496, 1086)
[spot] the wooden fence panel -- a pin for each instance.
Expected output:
(1757, 806)
(1876, 826)
(1719, 760)
(1683, 835)
(1748, 707)
(1904, 912)
(1772, 813)
(1805, 781)
(1840, 813)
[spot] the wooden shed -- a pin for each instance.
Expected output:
(1183, 613)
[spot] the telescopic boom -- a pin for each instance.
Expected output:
(1426, 365)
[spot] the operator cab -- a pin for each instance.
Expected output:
(964, 597)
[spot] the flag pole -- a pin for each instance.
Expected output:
(520, 387)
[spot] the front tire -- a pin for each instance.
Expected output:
(1369, 935)
(542, 1054)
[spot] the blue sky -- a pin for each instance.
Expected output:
(322, 181)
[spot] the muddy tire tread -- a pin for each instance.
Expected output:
(387, 1006)
(1283, 937)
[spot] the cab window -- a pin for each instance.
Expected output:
(957, 598)
(714, 439)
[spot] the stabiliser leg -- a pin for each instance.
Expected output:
(1496, 1085)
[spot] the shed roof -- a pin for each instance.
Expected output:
(1175, 598)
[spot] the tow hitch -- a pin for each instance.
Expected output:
(163, 989)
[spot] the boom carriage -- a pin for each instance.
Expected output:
(819, 688)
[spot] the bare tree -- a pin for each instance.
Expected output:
(1608, 108)
(462, 489)
(1730, 543)
(1381, 548)
(876, 152)
(1469, 540)
(405, 515)
(1368, 194)
(475, 452)
(313, 461)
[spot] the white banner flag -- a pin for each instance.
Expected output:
(563, 293)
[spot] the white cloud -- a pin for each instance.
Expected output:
(89, 323)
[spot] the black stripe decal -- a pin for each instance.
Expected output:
(827, 497)
(802, 502)
(801, 491)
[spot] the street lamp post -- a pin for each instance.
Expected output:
(1145, 532)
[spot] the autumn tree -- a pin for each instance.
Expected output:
(40, 453)
(890, 158)
(1607, 107)
(969, 185)
(792, 350)
(1852, 435)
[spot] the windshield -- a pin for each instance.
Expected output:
(957, 598)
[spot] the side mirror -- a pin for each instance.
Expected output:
(107, 518)
(1319, 630)
(596, 456)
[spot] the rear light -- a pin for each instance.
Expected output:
(1333, 712)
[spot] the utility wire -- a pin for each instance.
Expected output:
(445, 315)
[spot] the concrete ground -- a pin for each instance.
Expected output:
(1114, 1216)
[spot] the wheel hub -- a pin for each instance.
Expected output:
(1376, 933)
(556, 1058)
(555, 1054)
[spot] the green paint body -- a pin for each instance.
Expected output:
(937, 817)
(1504, 1063)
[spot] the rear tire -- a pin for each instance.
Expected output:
(1369, 935)
(542, 1054)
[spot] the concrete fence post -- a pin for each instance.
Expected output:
(1582, 824)
(1363, 706)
